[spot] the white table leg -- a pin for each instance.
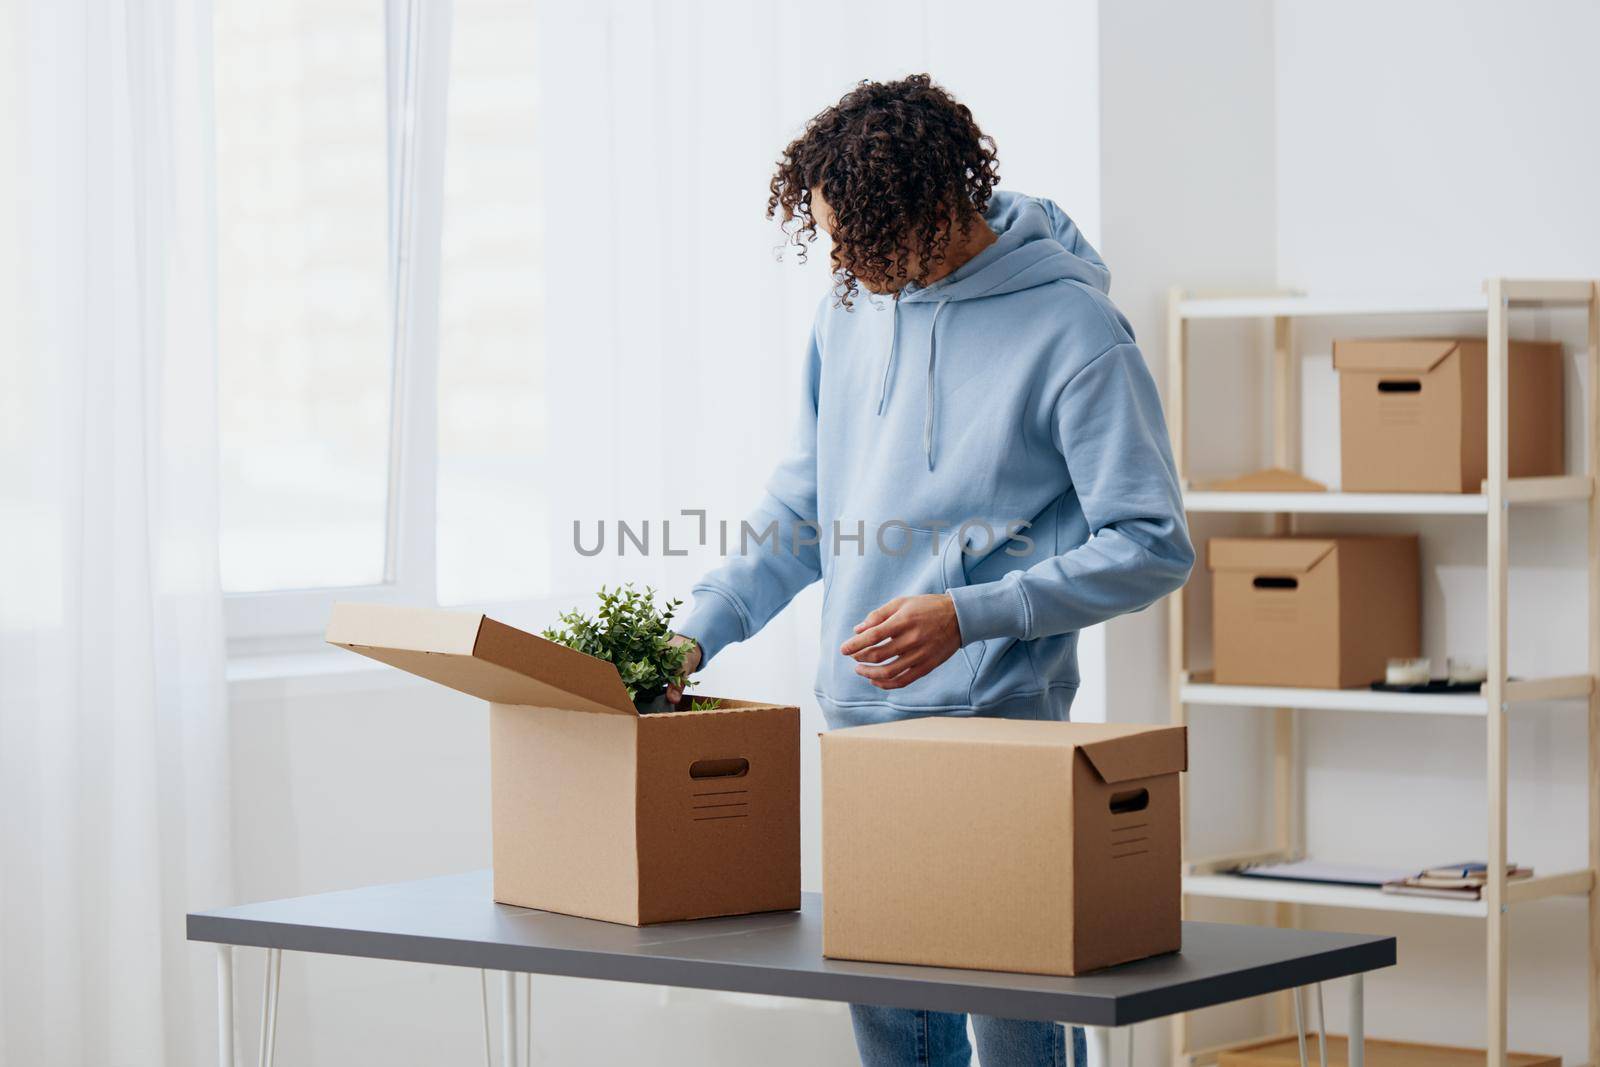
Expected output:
(1097, 1043)
(508, 1019)
(483, 993)
(1322, 1030)
(225, 1006)
(1358, 1021)
(267, 1051)
(275, 976)
(1299, 1026)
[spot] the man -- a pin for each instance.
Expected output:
(981, 468)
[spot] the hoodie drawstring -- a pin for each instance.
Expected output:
(888, 371)
(888, 359)
(927, 417)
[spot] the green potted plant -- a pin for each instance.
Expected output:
(631, 632)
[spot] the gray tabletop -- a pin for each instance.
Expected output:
(453, 920)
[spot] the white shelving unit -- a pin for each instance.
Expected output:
(1502, 696)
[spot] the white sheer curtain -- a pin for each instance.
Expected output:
(113, 745)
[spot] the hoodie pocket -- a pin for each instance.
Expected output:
(904, 561)
(1002, 667)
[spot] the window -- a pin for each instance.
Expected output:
(303, 292)
(492, 519)
(379, 307)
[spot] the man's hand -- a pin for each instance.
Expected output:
(691, 663)
(905, 639)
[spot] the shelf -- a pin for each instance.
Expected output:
(1519, 491)
(1518, 691)
(1315, 894)
(1519, 293)
(1261, 696)
(1289, 307)
(1338, 503)
(1547, 293)
(1233, 887)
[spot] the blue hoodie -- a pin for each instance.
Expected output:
(995, 436)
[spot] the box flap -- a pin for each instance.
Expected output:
(1410, 355)
(1270, 480)
(1144, 754)
(1117, 751)
(1267, 555)
(476, 655)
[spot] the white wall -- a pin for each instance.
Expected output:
(1426, 145)
(1188, 199)
(660, 126)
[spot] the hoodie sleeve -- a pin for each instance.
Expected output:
(777, 543)
(1108, 424)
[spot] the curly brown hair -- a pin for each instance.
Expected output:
(898, 162)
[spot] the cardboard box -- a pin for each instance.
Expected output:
(1413, 413)
(1285, 1052)
(1001, 844)
(1318, 612)
(600, 811)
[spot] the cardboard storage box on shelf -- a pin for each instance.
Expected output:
(1315, 612)
(1285, 1052)
(600, 811)
(1413, 413)
(1001, 844)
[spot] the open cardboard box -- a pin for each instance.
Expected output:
(600, 811)
(1001, 844)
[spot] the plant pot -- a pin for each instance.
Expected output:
(657, 703)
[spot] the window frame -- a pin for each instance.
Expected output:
(417, 45)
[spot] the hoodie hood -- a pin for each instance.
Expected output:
(1012, 456)
(1036, 243)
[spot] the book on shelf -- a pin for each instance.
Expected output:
(1461, 881)
(1465, 870)
(1318, 872)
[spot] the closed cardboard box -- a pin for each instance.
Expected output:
(1001, 844)
(1318, 612)
(600, 811)
(1413, 413)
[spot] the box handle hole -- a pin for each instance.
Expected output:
(719, 768)
(1130, 800)
(1270, 582)
(1400, 385)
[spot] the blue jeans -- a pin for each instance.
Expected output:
(903, 1037)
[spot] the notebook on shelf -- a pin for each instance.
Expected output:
(1322, 873)
(1456, 881)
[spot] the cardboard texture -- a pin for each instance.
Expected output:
(1413, 413)
(1001, 844)
(599, 811)
(1316, 612)
(1270, 480)
(1285, 1052)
